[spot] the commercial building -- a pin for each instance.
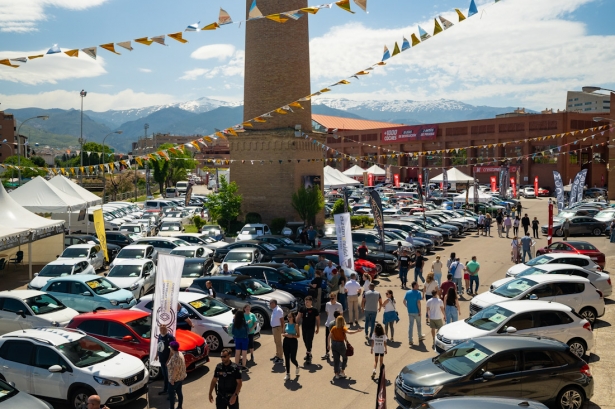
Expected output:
(579, 101)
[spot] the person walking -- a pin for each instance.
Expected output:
(612, 231)
(291, 334)
(239, 330)
(435, 313)
(330, 308)
(481, 223)
(339, 342)
(488, 221)
(404, 264)
(412, 302)
(535, 225)
(450, 261)
(379, 347)
(252, 322)
(176, 367)
(519, 208)
(525, 222)
(353, 292)
(419, 262)
(446, 285)
(311, 236)
(164, 352)
(516, 223)
(316, 288)
(436, 269)
(499, 219)
(277, 327)
(458, 275)
(472, 267)
(227, 382)
(342, 297)
(526, 246)
(309, 320)
(371, 304)
(514, 244)
(367, 281)
(566, 228)
(507, 224)
(430, 285)
(390, 316)
(451, 303)
(333, 282)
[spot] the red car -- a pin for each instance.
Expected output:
(360, 266)
(579, 247)
(129, 331)
(544, 192)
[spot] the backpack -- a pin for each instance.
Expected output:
(453, 267)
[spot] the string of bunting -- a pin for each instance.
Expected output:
(223, 19)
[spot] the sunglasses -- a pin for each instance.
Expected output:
(224, 356)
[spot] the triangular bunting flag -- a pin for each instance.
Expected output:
(126, 44)
(7, 62)
(254, 11)
(362, 4)
(159, 40)
(386, 55)
(473, 9)
(32, 57)
(415, 40)
(224, 17)
(311, 10)
(281, 111)
(193, 27)
(395, 50)
(259, 119)
(437, 27)
(109, 47)
(342, 82)
(178, 37)
(90, 52)
(211, 26)
(277, 18)
(54, 50)
(405, 45)
(247, 125)
(460, 14)
(72, 53)
(143, 40)
(20, 59)
(423, 34)
(294, 16)
(344, 5)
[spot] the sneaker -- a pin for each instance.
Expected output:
(287, 377)
(422, 337)
(337, 376)
(342, 374)
(274, 358)
(410, 343)
(244, 369)
(356, 323)
(374, 373)
(325, 356)
(297, 371)
(278, 361)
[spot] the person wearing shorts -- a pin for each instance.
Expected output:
(435, 313)
(252, 322)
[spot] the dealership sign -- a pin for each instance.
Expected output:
(493, 169)
(409, 133)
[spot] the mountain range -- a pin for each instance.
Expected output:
(203, 115)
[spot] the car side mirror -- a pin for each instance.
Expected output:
(127, 338)
(488, 376)
(21, 313)
(56, 369)
(86, 294)
(105, 274)
(35, 274)
(511, 330)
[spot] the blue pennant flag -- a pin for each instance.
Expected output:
(386, 54)
(54, 50)
(473, 9)
(405, 45)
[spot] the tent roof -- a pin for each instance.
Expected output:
(335, 179)
(41, 197)
(482, 197)
(71, 188)
(340, 175)
(454, 176)
(356, 170)
(376, 170)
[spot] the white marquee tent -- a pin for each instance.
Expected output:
(482, 197)
(336, 179)
(376, 171)
(355, 171)
(41, 197)
(72, 189)
(454, 176)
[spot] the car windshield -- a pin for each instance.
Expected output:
(250, 230)
(605, 215)
(565, 214)
(287, 241)
(185, 253)
(515, 287)
(269, 246)
(419, 228)
(238, 257)
(208, 307)
(489, 318)
(101, 286)
(462, 359)
(254, 287)
(531, 271)
(132, 229)
(72, 252)
(291, 274)
(6, 391)
(180, 243)
(170, 226)
(56, 270)
(192, 270)
(142, 326)
(44, 304)
(536, 261)
(87, 351)
(125, 270)
(131, 253)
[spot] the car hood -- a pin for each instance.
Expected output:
(516, 269)
(123, 282)
(460, 330)
(188, 340)
(282, 297)
(425, 373)
(488, 298)
(119, 295)
(62, 317)
(119, 367)
(39, 282)
(73, 260)
(499, 282)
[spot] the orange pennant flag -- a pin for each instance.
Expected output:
(72, 53)
(211, 26)
(178, 37)
(109, 47)
(144, 41)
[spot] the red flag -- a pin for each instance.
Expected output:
(513, 184)
(396, 179)
(421, 179)
(493, 183)
(381, 396)
(370, 179)
(536, 185)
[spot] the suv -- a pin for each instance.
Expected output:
(237, 291)
(579, 260)
(68, 365)
(163, 244)
(91, 253)
(59, 268)
(267, 250)
(252, 231)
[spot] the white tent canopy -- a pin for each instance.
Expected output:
(454, 176)
(376, 170)
(71, 188)
(41, 197)
(482, 197)
(355, 171)
(336, 179)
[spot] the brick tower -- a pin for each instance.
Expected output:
(277, 72)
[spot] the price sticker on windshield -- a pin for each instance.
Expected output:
(197, 304)
(93, 284)
(476, 356)
(497, 318)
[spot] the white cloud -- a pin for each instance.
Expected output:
(214, 51)
(23, 15)
(95, 101)
(527, 51)
(51, 68)
(146, 70)
(234, 67)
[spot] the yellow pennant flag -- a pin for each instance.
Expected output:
(259, 119)
(247, 125)
(277, 18)
(81, 169)
(72, 53)
(298, 105)
(460, 14)
(112, 166)
(208, 139)
(178, 37)
(32, 57)
(220, 135)
(362, 73)
(437, 28)
(324, 90)
(138, 160)
(195, 144)
(344, 5)
(281, 111)
(396, 50)
(311, 10)
(211, 26)
(91, 169)
(231, 131)
(7, 62)
(72, 170)
(415, 40)
(144, 41)
(109, 47)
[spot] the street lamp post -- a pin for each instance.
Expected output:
(591, 90)
(103, 168)
(82, 94)
(44, 118)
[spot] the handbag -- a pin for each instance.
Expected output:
(349, 349)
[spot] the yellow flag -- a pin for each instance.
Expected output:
(311, 10)
(110, 47)
(415, 40)
(99, 226)
(259, 119)
(72, 170)
(211, 26)
(208, 139)
(437, 28)
(81, 169)
(144, 41)
(195, 144)
(324, 90)
(7, 62)
(32, 57)
(247, 125)
(112, 166)
(344, 5)
(395, 50)
(460, 14)
(178, 37)
(138, 159)
(281, 111)
(277, 18)
(231, 131)
(298, 105)
(72, 53)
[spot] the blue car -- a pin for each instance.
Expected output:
(86, 293)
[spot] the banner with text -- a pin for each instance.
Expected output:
(344, 240)
(559, 190)
(99, 226)
(414, 133)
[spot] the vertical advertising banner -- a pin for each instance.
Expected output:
(513, 184)
(580, 188)
(559, 190)
(493, 183)
(574, 189)
(445, 180)
(376, 205)
(99, 225)
(421, 179)
(168, 278)
(365, 177)
(344, 240)
(370, 179)
(396, 179)
(427, 190)
(536, 185)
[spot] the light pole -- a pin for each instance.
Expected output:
(145, 128)
(591, 90)
(103, 168)
(44, 118)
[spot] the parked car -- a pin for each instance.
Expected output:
(481, 402)
(14, 398)
(163, 244)
(119, 238)
(59, 268)
(252, 231)
(415, 230)
(86, 293)
(91, 253)
(213, 231)
(135, 275)
(237, 291)
(579, 225)
(137, 252)
(130, 332)
(178, 216)
(575, 247)
(193, 251)
(201, 239)
(544, 191)
(195, 268)
(68, 365)
(134, 230)
(241, 257)
(284, 242)
(578, 260)
(536, 368)
(360, 266)
(21, 309)
(575, 292)
(527, 192)
(69, 240)
(541, 318)
(169, 228)
(384, 262)
(267, 251)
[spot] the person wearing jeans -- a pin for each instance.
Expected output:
(412, 301)
(176, 368)
(451, 305)
(371, 304)
(472, 268)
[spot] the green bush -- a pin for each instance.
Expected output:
(198, 222)
(277, 225)
(365, 220)
(234, 226)
(253, 218)
(355, 221)
(338, 206)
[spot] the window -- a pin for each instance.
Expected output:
(568, 288)
(578, 273)
(545, 154)
(537, 360)
(78, 288)
(46, 357)
(542, 291)
(521, 321)
(59, 287)
(272, 276)
(17, 351)
(457, 131)
(115, 330)
(96, 327)
(369, 137)
(482, 129)
(514, 127)
(502, 364)
(548, 318)
(12, 305)
(542, 125)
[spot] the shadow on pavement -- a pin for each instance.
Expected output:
(345, 383)
(601, 324)
(293, 384)
(593, 358)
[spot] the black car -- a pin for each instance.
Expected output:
(528, 367)
(267, 250)
(195, 267)
(284, 242)
(71, 239)
(481, 402)
(119, 238)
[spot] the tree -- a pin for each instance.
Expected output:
(38, 161)
(338, 206)
(120, 183)
(308, 203)
(171, 171)
(224, 206)
(27, 163)
(161, 171)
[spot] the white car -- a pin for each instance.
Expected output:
(170, 228)
(178, 216)
(252, 231)
(134, 230)
(528, 192)
(211, 318)
(193, 251)
(201, 239)
(241, 257)
(556, 258)
(68, 365)
(163, 244)
(600, 280)
(549, 319)
(136, 275)
(575, 292)
(136, 252)
(91, 253)
(39, 310)
(59, 268)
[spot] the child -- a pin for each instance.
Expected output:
(379, 346)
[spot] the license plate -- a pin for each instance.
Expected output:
(400, 392)
(594, 258)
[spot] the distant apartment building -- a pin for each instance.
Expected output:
(579, 101)
(216, 150)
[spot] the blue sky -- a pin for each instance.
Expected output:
(515, 53)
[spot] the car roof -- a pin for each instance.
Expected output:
(481, 402)
(183, 297)
(270, 265)
(81, 246)
(155, 238)
(549, 278)
(566, 255)
(498, 343)
(254, 225)
(55, 336)
(237, 250)
(233, 278)
(82, 278)
(65, 262)
(518, 306)
(195, 260)
(131, 261)
(189, 248)
(137, 246)
(20, 294)
(249, 241)
(122, 316)
(558, 266)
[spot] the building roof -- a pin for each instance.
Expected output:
(350, 124)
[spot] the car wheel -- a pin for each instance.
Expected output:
(597, 232)
(570, 398)
(379, 268)
(589, 314)
(559, 233)
(154, 371)
(214, 341)
(79, 398)
(261, 317)
(577, 347)
(300, 301)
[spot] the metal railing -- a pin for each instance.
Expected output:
(154, 190)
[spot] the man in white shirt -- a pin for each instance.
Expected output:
(277, 327)
(458, 275)
(329, 270)
(435, 313)
(353, 291)
(330, 309)
(409, 239)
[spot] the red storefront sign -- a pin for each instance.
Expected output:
(493, 169)
(409, 134)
